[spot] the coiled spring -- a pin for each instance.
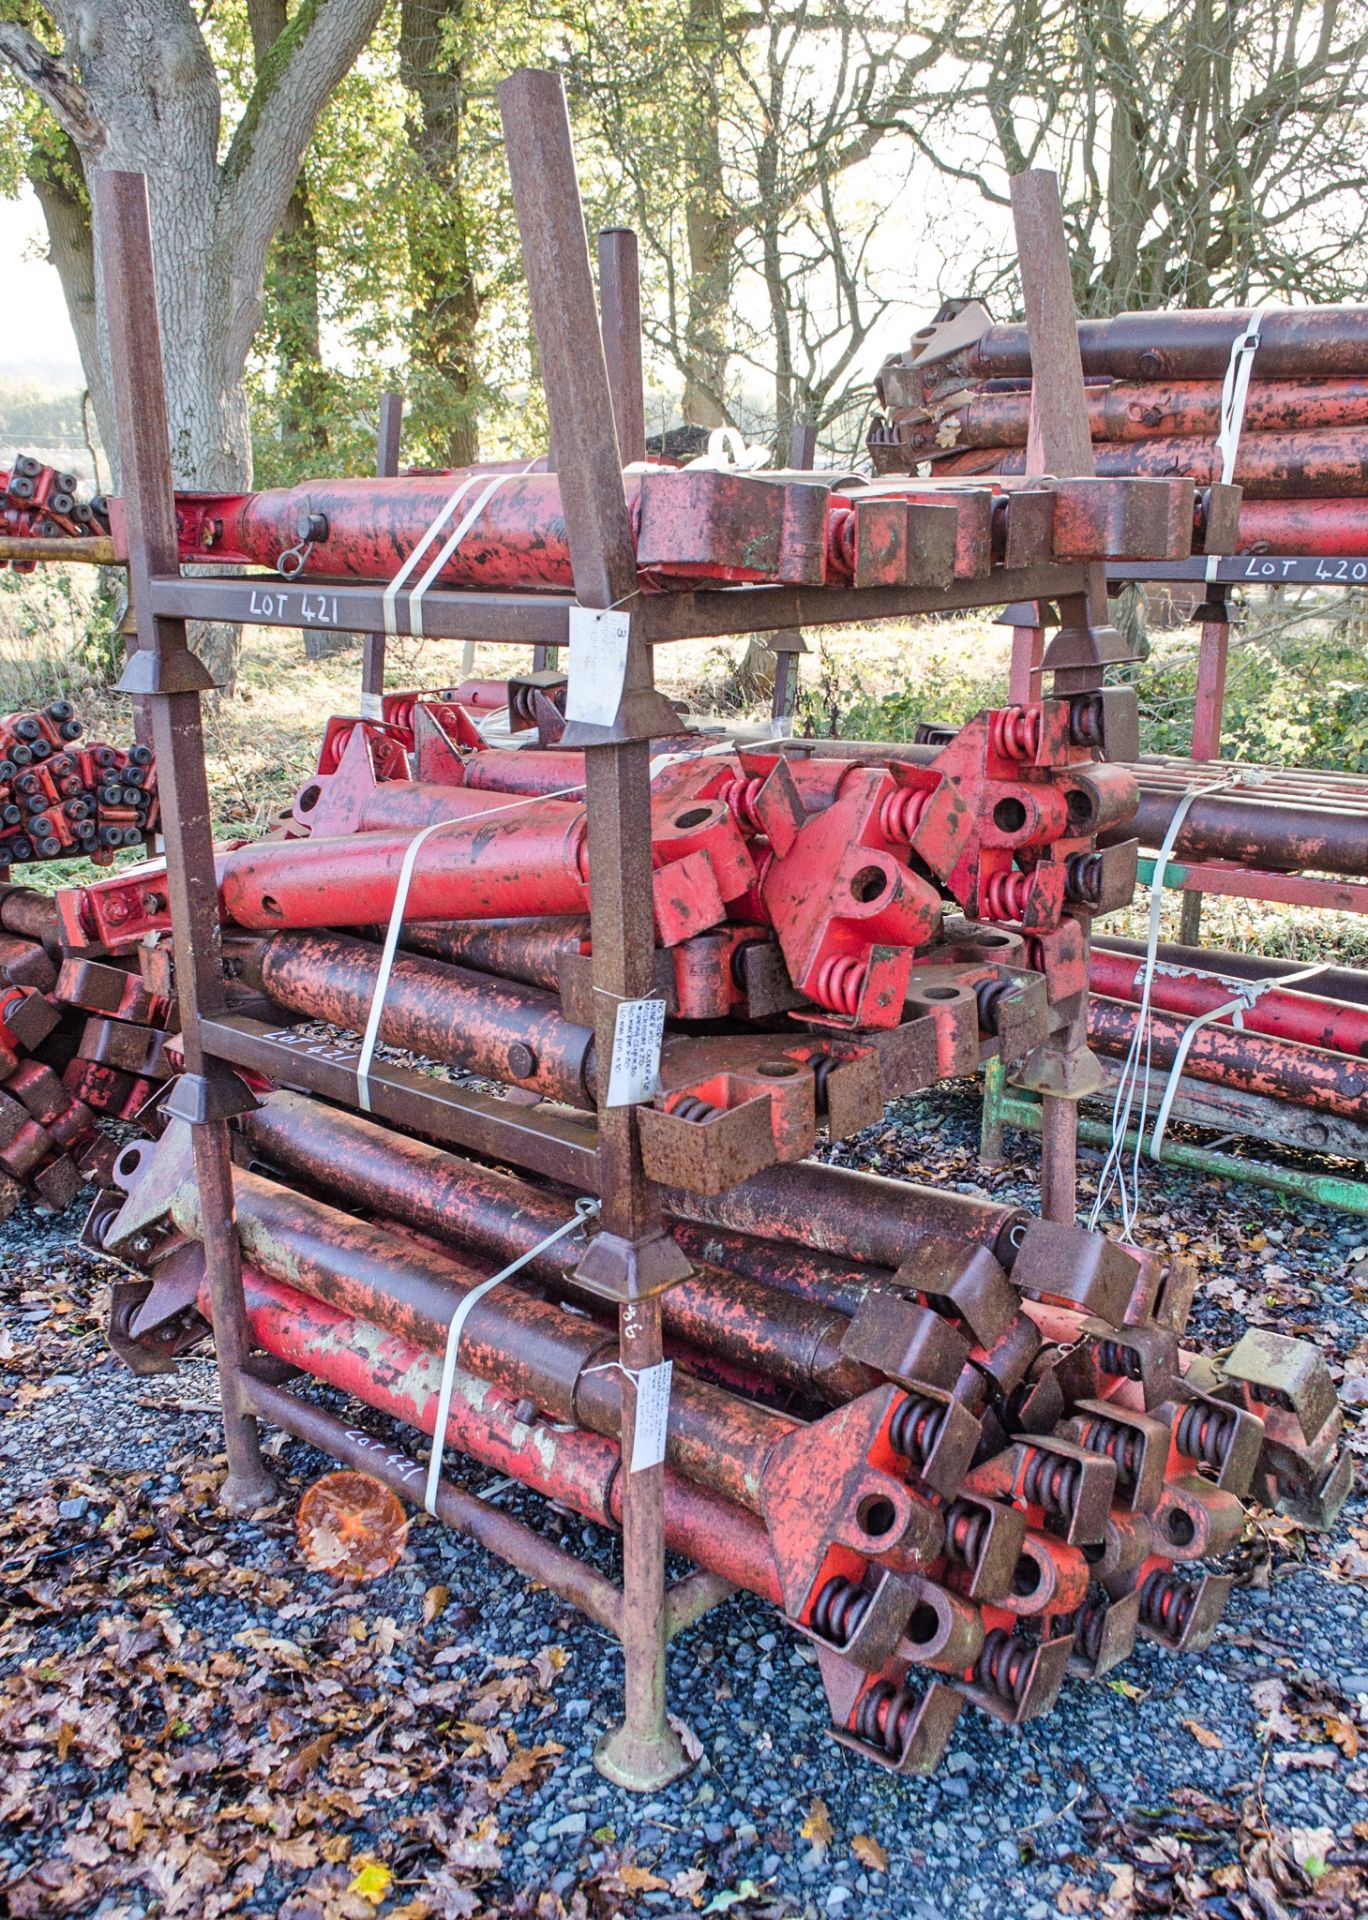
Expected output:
(1125, 1445)
(966, 1529)
(1051, 1482)
(740, 795)
(1003, 1665)
(1123, 1361)
(1083, 878)
(838, 982)
(690, 1107)
(901, 812)
(916, 1426)
(1014, 732)
(1085, 720)
(990, 995)
(840, 1608)
(885, 1716)
(1205, 1433)
(330, 759)
(1088, 1625)
(1166, 1603)
(1004, 895)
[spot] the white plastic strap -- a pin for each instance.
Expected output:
(396, 922)
(1234, 399)
(395, 587)
(1247, 993)
(584, 1210)
(453, 540)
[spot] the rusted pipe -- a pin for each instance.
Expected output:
(526, 1347)
(795, 1343)
(1256, 831)
(1295, 343)
(526, 950)
(1142, 409)
(465, 1019)
(577, 1469)
(1346, 984)
(1250, 1062)
(1282, 1013)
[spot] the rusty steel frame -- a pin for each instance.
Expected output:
(591, 363)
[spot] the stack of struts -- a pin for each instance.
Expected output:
(962, 1450)
(39, 502)
(958, 402)
(61, 801)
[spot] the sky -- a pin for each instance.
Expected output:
(36, 341)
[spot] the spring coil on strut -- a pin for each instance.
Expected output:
(740, 795)
(965, 1530)
(690, 1107)
(1120, 1360)
(1051, 1482)
(990, 994)
(840, 543)
(1205, 1433)
(1166, 1603)
(885, 1715)
(1002, 1665)
(1125, 1445)
(839, 1609)
(901, 812)
(1088, 1626)
(823, 1065)
(838, 983)
(330, 759)
(1004, 895)
(916, 1426)
(400, 709)
(1085, 720)
(1083, 878)
(1014, 732)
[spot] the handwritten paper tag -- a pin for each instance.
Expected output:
(652, 1415)
(634, 1074)
(598, 665)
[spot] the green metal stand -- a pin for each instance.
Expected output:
(1005, 1106)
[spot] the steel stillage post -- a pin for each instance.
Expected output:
(172, 678)
(386, 465)
(1212, 654)
(631, 1257)
(1061, 440)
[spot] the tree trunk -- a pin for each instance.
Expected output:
(446, 303)
(711, 240)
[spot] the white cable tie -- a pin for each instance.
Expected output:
(1234, 400)
(585, 1209)
(393, 590)
(396, 922)
(372, 706)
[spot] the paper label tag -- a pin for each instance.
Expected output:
(638, 1031)
(652, 1415)
(598, 665)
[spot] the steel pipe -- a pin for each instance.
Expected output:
(1251, 1062)
(1142, 409)
(1282, 1013)
(1269, 833)
(1347, 984)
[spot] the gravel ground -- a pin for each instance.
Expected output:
(1183, 1786)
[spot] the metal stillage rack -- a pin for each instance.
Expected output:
(597, 427)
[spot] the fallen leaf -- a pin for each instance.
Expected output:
(1205, 1737)
(372, 1881)
(434, 1603)
(724, 1902)
(689, 1885)
(817, 1828)
(869, 1853)
(1072, 1898)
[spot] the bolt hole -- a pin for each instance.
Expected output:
(1026, 1577)
(1009, 816)
(992, 940)
(269, 904)
(693, 817)
(940, 993)
(1080, 809)
(777, 1069)
(130, 1160)
(876, 1515)
(309, 798)
(868, 884)
(1180, 1528)
(924, 1625)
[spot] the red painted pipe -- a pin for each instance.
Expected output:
(579, 1470)
(1250, 1062)
(1283, 1013)
(792, 1342)
(1295, 343)
(527, 1348)
(1141, 409)
(1325, 462)
(1331, 983)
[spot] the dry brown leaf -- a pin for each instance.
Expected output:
(689, 1885)
(1205, 1737)
(640, 1880)
(817, 1828)
(1344, 1734)
(869, 1853)
(1072, 1898)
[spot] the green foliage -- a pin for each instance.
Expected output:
(59, 633)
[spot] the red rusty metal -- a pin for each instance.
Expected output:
(1283, 1013)
(1251, 1062)
(1326, 462)
(1255, 829)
